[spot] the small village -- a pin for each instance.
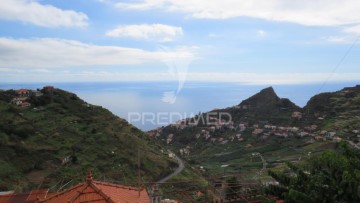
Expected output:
(23, 95)
(262, 131)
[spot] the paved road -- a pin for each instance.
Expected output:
(353, 144)
(177, 171)
(263, 162)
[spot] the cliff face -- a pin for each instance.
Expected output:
(60, 136)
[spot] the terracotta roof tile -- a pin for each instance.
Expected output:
(100, 192)
(90, 192)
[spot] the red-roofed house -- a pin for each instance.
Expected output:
(25, 104)
(100, 192)
(23, 92)
(89, 191)
(48, 89)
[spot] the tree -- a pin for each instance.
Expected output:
(333, 176)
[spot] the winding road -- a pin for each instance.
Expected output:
(177, 171)
(353, 144)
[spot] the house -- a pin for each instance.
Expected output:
(303, 134)
(23, 93)
(89, 191)
(17, 101)
(25, 104)
(330, 134)
(20, 101)
(257, 131)
(296, 115)
(311, 128)
(48, 89)
(242, 127)
(320, 138)
(96, 191)
(172, 155)
(337, 139)
(36, 93)
(293, 129)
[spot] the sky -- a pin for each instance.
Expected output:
(243, 41)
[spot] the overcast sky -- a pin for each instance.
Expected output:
(245, 41)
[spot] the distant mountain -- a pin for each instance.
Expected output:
(51, 137)
(265, 107)
(264, 123)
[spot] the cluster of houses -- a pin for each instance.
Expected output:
(23, 95)
(263, 131)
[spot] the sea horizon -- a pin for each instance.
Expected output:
(125, 99)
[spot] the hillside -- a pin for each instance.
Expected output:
(56, 139)
(336, 111)
(264, 131)
(264, 106)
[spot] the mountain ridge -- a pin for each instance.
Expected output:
(264, 123)
(60, 136)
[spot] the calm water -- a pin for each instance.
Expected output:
(141, 101)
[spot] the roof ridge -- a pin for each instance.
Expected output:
(92, 186)
(116, 185)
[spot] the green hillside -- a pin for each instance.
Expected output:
(265, 125)
(336, 111)
(60, 136)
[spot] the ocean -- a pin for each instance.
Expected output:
(143, 103)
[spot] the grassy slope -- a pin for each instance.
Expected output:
(34, 142)
(340, 109)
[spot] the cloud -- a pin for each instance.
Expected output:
(272, 78)
(338, 39)
(261, 33)
(30, 11)
(54, 53)
(154, 32)
(353, 29)
(8, 70)
(311, 13)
